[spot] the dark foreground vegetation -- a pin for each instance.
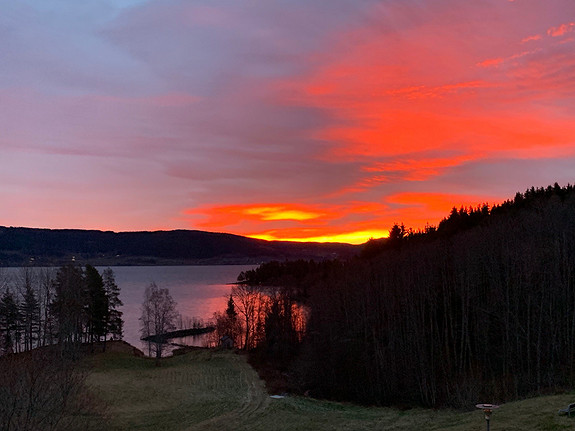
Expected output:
(42, 390)
(49, 320)
(52, 247)
(209, 390)
(64, 307)
(481, 307)
(215, 390)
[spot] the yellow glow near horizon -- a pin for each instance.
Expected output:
(355, 238)
(280, 213)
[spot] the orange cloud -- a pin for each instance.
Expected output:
(269, 213)
(220, 216)
(435, 202)
(484, 114)
(354, 223)
(373, 128)
(492, 62)
(422, 91)
(418, 169)
(420, 209)
(405, 169)
(393, 132)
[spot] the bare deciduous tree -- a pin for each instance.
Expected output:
(158, 317)
(50, 397)
(249, 301)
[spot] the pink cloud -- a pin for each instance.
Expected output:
(531, 38)
(561, 30)
(495, 62)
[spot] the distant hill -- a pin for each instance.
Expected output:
(46, 247)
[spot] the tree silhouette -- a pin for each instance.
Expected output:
(10, 321)
(481, 306)
(114, 324)
(30, 313)
(158, 317)
(97, 306)
(68, 307)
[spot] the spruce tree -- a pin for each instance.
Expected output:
(114, 324)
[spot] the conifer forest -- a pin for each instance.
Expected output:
(480, 306)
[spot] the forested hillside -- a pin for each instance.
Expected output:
(53, 247)
(481, 307)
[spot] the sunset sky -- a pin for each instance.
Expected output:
(299, 119)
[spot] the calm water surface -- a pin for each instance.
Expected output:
(198, 290)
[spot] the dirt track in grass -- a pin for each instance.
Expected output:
(210, 390)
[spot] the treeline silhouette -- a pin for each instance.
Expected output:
(65, 307)
(480, 307)
(45, 317)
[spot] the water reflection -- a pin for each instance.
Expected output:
(198, 290)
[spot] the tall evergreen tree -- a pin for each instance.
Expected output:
(114, 324)
(68, 306)
(96, 305)
(10, 321)
(231, 309)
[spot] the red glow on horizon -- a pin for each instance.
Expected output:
(333, 224)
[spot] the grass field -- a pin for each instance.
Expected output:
(210, 390)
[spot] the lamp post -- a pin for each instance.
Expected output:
(487, 410)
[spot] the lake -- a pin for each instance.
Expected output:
(198, 290)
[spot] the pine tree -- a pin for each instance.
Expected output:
(10, 322)
(96, 305)
(114, 324)
(68, 307)
(231, 310)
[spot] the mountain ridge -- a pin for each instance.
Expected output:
(21, 246)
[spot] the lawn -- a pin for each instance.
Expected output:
(211, 390)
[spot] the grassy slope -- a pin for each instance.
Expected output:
(207, 390)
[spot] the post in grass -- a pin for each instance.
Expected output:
(487, 410)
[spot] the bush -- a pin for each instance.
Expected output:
(41, 391)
